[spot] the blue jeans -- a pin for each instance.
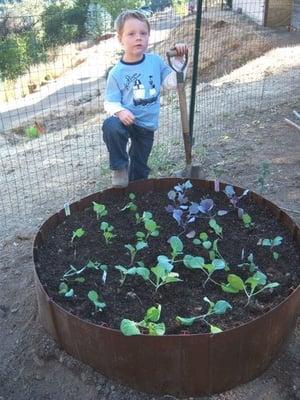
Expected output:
(116, 136)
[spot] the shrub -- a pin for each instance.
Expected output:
(14, 59)
(57, 29)
(98, 21)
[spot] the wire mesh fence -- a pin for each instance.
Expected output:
(53, 73)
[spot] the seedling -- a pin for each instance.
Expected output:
(99, 209)
(94, 297)
(133, 250)
(65, 291)
(233, 197)
(199, 263)
(151, 227)
(98, 267)
(148, 324)
(130, 206)
(163, 277)
(250, 264)
(272, 243)
(218, 308)
(247, 220)
(250, 286)
(176, 245)
(77, 234)
(216, 227)
(107, 232)
(264, 173)
(140, 218)
(141, 271)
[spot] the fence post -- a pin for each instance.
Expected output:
(195, 67)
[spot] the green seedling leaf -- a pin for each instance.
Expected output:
(221, 307)
(153, 314)
(78, 234)
(156, 329)
(129, 328)
(218, 264)
(207, 245)
(63, 288)
(236, 282)
(70, 293)
(104, 226)
(247, 220)
(164, 262)
(275, 255)
(186, 321)
(193, 262)
(216, 227)
(143, 272)
(141, 245)
(176, 244)
(203, 236)
(197, 242)
(94, 297)
(277, 240)
(99, 209)
(80, 279)
(214, 329)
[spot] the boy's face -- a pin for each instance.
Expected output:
(134, 38)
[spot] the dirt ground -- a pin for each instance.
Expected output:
(33, 367)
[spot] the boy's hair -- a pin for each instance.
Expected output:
(125, 15)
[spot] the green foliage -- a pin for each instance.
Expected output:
(141, 271)
(272, 243)
(218, 308)
(65, 291)
(78, 234)
(250, 286)
(57, 27)
(115, 7)
(99, 209)
(107, 232)
(94, 297)
(149, 324)
(14, 59)
(98, 21)
(130, 205)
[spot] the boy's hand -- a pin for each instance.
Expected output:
(181, 49)
(126, 117)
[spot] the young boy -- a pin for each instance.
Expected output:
(132, 99)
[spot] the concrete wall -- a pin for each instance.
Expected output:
(255, 9)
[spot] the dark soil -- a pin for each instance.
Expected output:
(135, 296)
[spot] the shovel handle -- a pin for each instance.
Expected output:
(173, 53)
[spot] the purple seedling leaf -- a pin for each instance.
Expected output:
(206, 206)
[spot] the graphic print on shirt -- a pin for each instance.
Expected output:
(143, 96)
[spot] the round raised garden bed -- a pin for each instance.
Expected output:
(182, 362)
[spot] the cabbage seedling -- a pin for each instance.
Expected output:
(94, 297)
(77, 234)
(107, 232)
(163, 277)
(134, 249)
(99, 209)
(249, 286)
(149, 324)
(130, 206)
(141, 271)
(218, 308)
(271, 243)
(65, 291)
